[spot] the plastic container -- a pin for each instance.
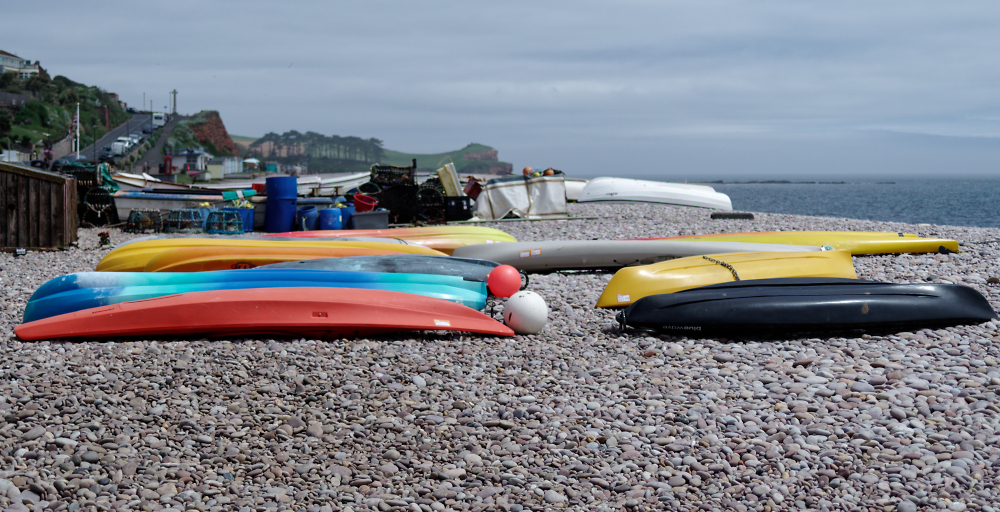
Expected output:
(306, 218)
(458, 208)
(329, 218)
(282, 187)
(346, 216)
(364, 203)
(371, 220)
(282, 194)
(246, 214)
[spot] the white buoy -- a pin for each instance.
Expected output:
(525, 312)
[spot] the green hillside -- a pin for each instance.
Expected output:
(431, 162)
(353, 154)
(47, 118)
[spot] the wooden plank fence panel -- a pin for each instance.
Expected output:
(46, 219)
(34, 215)
(23, 232)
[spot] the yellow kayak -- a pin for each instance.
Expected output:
(443, 238)
(134, 256)
(858, 242)
(632, 283)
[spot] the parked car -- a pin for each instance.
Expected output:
(119, 148)
(107, 153)
(148, 128)
(136, 138)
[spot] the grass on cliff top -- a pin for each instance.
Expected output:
(183, 137)
(433, 161)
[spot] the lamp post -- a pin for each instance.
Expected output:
(93, 133)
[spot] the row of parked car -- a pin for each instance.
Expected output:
(124, 144)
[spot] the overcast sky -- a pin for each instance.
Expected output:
(694, 90)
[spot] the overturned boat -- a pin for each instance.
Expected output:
(618, 190)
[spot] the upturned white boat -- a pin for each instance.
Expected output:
(618, 190)
(574, 188)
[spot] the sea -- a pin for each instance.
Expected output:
(954, 201)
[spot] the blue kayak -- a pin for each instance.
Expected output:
(84, 290)
(467, 268)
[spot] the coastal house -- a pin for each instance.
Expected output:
(24, 68)
(191, 160)
(218, 167)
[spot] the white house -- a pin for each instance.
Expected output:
(24, 68)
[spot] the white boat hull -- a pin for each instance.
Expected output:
(574, 188)
(618, 190)
(551, 256)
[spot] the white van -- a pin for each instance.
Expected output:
(159, 120)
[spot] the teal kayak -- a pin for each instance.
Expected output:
(84, 290)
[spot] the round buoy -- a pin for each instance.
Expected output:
(525, 312)
(504, 281)
(549, 172)
(528, 170)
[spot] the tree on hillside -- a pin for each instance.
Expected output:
(36, 83)
(8, 80)
(69, 98)
(5, 123)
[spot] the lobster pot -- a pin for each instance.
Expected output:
(390, 175)
(224, 222)
(97, 207)
(401, 201)
(185, 220)
(38, 209)
(141, 221)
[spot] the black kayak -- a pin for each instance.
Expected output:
(807, 305)
(467, 268)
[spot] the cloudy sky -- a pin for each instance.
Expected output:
(693, 90)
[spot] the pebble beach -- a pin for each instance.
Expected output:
(581, 416)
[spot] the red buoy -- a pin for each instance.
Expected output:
(504, 281)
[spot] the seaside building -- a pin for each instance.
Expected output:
(220, 166)
(191, 160)
(24, 68)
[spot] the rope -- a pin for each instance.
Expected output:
(724, 264)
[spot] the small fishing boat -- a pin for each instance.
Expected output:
(618, 190)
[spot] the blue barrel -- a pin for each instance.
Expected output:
(345, 216)
(306, 218)
(329, 218)
(282, 192)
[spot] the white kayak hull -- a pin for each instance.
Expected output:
(617, 190)
(551, 256)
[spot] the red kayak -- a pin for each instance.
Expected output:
(323, 313)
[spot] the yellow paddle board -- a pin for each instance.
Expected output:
(134, 256)
(632, 283)
(858, 242)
